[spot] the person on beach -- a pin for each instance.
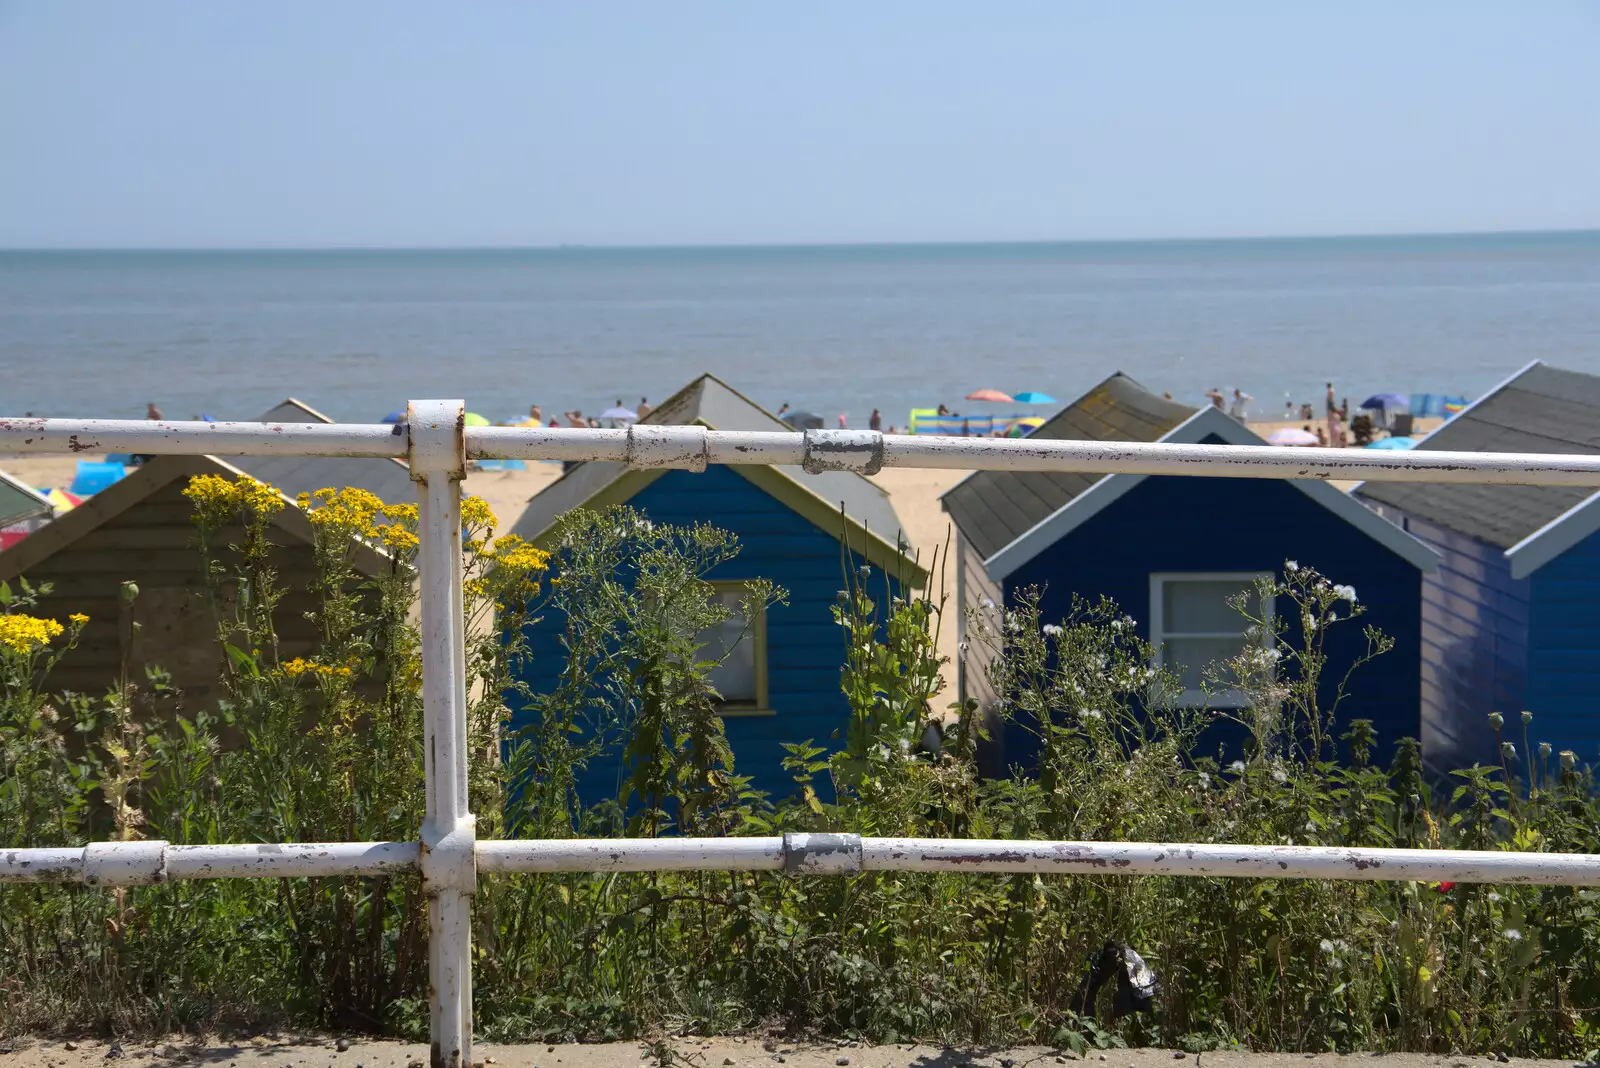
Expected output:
(1241, 402)
(842, 424)
(575, 419)
(875, 421)
(944, 409)
(1333, 400)
(644, 408)
(535, 417)
(783, 411)
(152, 412)
(1322, 437)
(1218, 401)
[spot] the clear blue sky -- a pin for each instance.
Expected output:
(653, 122)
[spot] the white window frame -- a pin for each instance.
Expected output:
(756, 635)
(1230, 698)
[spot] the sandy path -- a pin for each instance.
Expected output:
(753, 1052)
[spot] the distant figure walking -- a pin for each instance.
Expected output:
(1333, 400)
(1241, 402)
(1218, 401)
(842, 424)
(1336, 437)
(644, 408)
(875, 422)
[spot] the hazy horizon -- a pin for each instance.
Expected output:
(756, 245)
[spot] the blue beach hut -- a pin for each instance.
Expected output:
(1511, 618)
(782, 681)
(1171, 551)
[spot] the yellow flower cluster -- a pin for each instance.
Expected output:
(300, 666)
(355, 513)
(475, 512)
(217, 499)
(514, 554)
(79, 618)
(24, 634)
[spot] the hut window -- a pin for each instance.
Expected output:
(740, 642)
(1193, 625)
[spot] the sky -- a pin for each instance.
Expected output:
(640, 122)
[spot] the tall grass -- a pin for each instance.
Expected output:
(326, 747)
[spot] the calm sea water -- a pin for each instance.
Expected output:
(833, 329)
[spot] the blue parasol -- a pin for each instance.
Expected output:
(395, 417)
(1394, 443)
(1387, 401)
(1033, 396)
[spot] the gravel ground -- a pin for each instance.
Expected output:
(324, 1052)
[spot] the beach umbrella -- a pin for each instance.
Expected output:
(802, 420)
(1033, 396)
(1394, 443)
(1021, 428)
(395, 417)
(627, 414)
(1387, 401)
(1291, 436)
(993, 396)
(474, 419)
(61, 500)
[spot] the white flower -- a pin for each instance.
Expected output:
(1279, 775)
(1052, 630)
(1237, 767)
(1325, 945)
(986, 603)
(1512, 934)
(1291, 566)
(1093, 713)
(1205, 780)
(1011, 621)
(1493, 896)
(1347, 592)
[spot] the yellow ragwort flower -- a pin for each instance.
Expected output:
(475, 512)
(79, 618)
(25, 634)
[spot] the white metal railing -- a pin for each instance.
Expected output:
(448, 854)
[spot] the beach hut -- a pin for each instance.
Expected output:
(1171, 550)
(388, 478)
(23, 510)
(1511, 619)
(782, 682)
(140, 529)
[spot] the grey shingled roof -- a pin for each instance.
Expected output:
(1542, 409)
(294, 475)
(713, 402)
(992, 509)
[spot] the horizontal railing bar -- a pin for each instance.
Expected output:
(1234, 861)
(159, 437)
(630, 854)
(866, 451)
(134, 863)
(143, 862)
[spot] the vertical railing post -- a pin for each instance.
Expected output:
(449, 833)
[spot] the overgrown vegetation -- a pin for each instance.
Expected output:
(325, 745)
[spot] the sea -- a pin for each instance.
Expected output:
(838, 330)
